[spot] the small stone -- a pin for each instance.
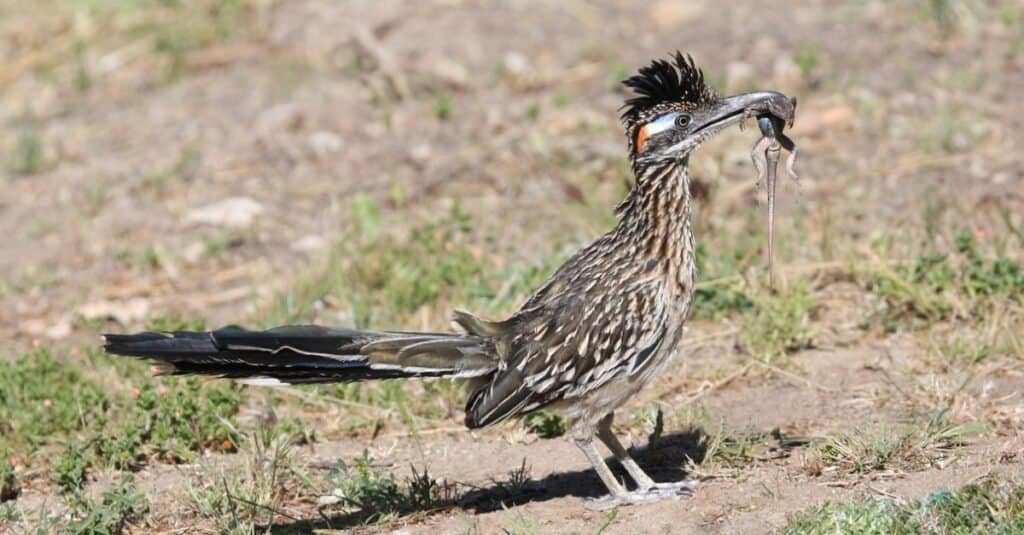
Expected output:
(123, 312)
(516, 63)
(285, 116)
(420, 152)
(324, 142)
(451, 72)
(668, 14)
(194, 252)
(33, 327)
(234, 212)
(59, 330)
(328, 500)
(309, 244)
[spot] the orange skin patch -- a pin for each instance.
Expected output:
(641, 138)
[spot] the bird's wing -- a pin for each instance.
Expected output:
(570, 347)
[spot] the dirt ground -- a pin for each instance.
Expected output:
(510, 110)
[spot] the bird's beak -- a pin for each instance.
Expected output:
(731, 110)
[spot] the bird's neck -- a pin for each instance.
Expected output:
(655, 219)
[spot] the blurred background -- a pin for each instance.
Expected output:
(189, 163)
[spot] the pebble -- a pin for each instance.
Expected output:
(123, 312)
(324, 142)
(234, 212)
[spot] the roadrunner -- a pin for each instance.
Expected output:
(585, 342)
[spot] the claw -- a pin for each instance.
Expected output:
(657, 493)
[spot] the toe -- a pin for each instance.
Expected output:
(602, 504)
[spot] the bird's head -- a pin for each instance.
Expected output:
(674, 110)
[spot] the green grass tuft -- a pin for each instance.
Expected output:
(987, 507)
(112, 513)
(940, 287)
(780, 324)
(46, 402)
(545, 424)
(377, 496)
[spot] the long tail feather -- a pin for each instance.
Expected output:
(309, 354)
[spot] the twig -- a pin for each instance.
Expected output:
(386, 64)
(701, 392)
(792, 375)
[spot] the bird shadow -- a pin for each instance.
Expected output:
(664, 461)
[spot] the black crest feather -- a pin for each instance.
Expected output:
(664, 81)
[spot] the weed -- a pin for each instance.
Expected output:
(716, 301)
(70, 471)
(879, 447)
(42, 398)
(27, 156)
(986, 507)
(723, 450)
(609, 519)
(377, 496)
(240, 502)
(806, 59)
(113, 512)
(443, 107)
(175, 322)
(1013, 19)
(939, 287)
(652, 420)
(45, 402)
(520, 524)
(44, 522)
(724, 295)
(616, 74)
(423, 490)
(147, 258)
(780, 325)
(533, 112)
(955, 131)
(865, 450)
(9, 487)
(940, 12)
(193, 26)
(518, 480)
(545, 424)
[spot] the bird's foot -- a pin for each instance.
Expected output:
(660, 491)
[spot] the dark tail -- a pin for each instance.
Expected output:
(310, 354)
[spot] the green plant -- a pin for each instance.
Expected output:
(521, 524)
(545, 424)
(942, 286)
(48, 403)
(240, 501)
(378, 496)
(806, 59)
(986, 507)
(443, 107)
(878, 447)
(780, 324)
(27, 156)
(115, 510)
(70, 471)
(9, 488)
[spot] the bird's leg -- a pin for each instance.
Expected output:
(604, 432)
(584, 438)
(643, 481)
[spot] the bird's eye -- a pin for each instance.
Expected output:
(682, 120)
